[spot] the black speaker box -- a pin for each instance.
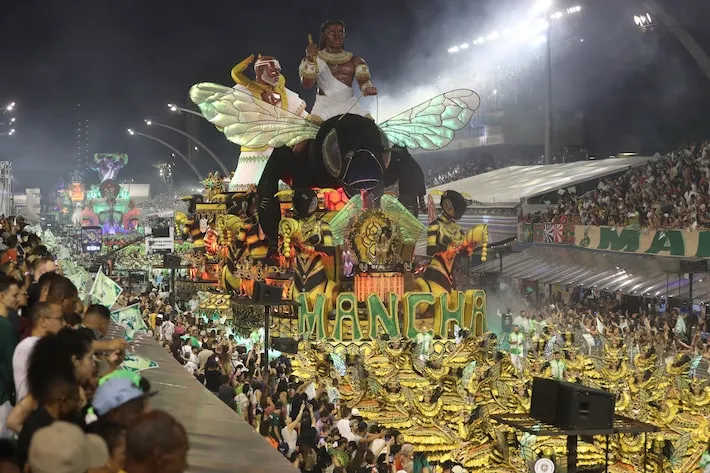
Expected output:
(583, 408)
(543, 404)
(285, 344)
(571, 406)
(266, 293)
(171, 261)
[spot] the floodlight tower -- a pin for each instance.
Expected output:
(681, 34)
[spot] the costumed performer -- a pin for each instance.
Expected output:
(446, 240)
(332, 70)
(308, 248)
(269, 86)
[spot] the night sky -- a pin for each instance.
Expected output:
(124, 60)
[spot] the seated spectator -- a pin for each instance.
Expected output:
(156, 443)
(59, 401)
(120, 401)
(115, 437)
(8, 457)
(64, 448)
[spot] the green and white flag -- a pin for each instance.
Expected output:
(135, 363)
(105, 291)
(63, 253)
(36, 229)
(80, 279)
(131, 319)
(49, 239)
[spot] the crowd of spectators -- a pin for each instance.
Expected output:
(65, 407)
(670, 192)
(305, 422)
(668, 332)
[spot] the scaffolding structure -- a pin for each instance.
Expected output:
(7, 204)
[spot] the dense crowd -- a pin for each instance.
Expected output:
(65, 406)
(671, 192)
(305, 422)
(668, 332)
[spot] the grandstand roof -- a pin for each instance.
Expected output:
(507, 186)
(614, 272)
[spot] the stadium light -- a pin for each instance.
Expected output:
(542, 6)
(10, 107)
(178, 109)
(525, 31)
(643, 21)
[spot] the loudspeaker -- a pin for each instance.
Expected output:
(583, 408)
(265, 293)
(171, 261)
(543, 404)
(285, 344)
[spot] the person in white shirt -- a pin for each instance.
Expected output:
(343, 425)
(191, 367)
(167, 329)
(46, 319)
(558, 367)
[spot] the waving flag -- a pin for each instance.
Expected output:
(135, 363)
(130, 318)
(105, 291)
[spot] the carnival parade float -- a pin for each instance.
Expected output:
(108, 205)
(407, 347)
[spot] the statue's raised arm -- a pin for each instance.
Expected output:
(333, 70)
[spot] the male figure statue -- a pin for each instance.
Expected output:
(332, 69)
(270, 86)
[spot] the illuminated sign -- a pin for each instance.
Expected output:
(91, 239)
(76, 192)
(465, 309)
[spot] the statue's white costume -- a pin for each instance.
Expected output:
(252, 161)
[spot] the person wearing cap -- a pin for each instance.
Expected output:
(64, 448)
(403, 459)
(119, 400)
